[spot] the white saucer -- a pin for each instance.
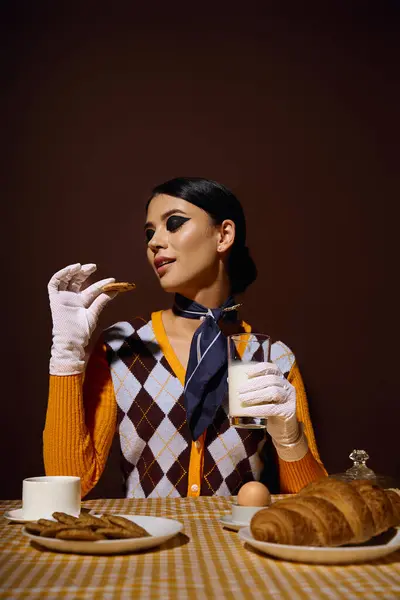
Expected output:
(376, 548)
(16, 515)
(227, 521)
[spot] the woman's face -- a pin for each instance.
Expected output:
(182, 245)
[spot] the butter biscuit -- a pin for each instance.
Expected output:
(119, 286)
(79, 534)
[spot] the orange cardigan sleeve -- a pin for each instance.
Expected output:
(295, 475)
(80, 422)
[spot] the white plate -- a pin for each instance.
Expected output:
(380, 546)
(160, 531)
(226, 521)
(16, 515)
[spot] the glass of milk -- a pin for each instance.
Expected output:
(244, 349)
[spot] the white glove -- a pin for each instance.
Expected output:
(269, 394)
(75, 313)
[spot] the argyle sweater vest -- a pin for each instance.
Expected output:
(152, 428)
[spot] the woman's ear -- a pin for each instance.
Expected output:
(226, 235)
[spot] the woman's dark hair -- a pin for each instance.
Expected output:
(220, 204)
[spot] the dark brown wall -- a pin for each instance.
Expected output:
(298, 114)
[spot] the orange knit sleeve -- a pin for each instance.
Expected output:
(295, 475)
(80, 422)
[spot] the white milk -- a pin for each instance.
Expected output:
(237, 377)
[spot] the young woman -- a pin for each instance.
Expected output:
(160, 385)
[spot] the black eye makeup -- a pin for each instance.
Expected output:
(148, 235)
(175, 221)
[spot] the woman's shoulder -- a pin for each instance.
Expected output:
(282, 356)
(137, 331)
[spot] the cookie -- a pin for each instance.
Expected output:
(52, 531)
(117, 533)
(118, 286)
(90, 521)
(126, 524)
(80, 534)
(34, 528)
(64, 518)
(46, 522)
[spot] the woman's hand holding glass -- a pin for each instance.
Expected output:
(75, 311)
(268, 394)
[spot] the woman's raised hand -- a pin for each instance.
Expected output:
(75, 310)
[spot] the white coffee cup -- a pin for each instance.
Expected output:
(41, 496)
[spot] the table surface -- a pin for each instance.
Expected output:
(204, 561)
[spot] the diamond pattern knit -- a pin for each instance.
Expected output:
(151, 424)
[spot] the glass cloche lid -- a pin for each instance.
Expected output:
(359, 470)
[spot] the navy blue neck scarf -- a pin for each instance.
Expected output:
(206, 373)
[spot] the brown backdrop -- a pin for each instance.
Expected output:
(297, 113)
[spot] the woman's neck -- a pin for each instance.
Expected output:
(212, 296)
(178, 327)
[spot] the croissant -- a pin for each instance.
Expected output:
(329, 512)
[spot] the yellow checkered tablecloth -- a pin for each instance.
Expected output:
(204, 561)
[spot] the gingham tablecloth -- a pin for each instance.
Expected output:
(204, 561)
